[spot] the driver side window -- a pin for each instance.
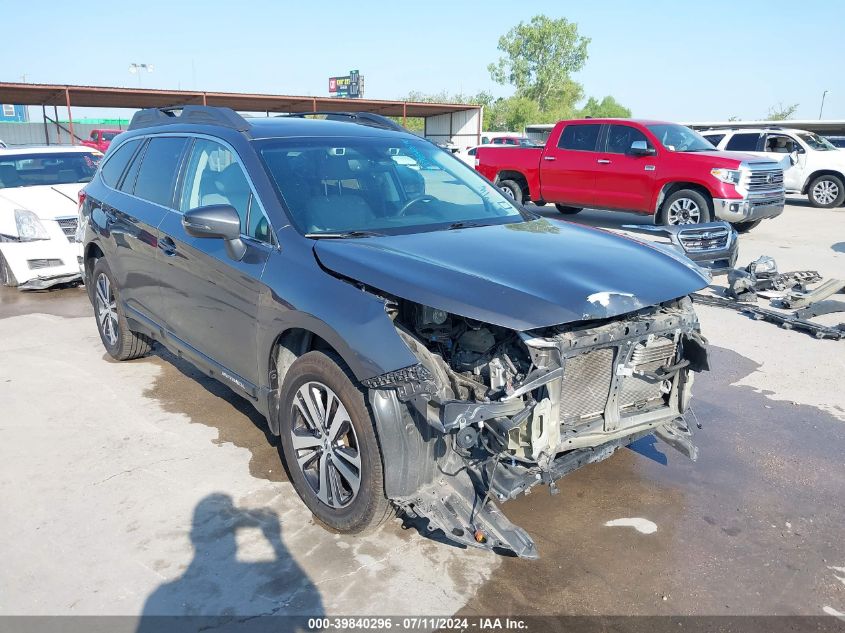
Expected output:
(620, 138)
(213, 176)
(780, 144)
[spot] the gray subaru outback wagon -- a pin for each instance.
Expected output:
(416, 340)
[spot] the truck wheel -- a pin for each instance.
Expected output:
(686, 206)
(744, 227)
(826, 192)
(511, 189)
(330, 445)
(7, 277)
(120, 342)
(567, 210)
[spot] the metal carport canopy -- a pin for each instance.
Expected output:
(111, 97)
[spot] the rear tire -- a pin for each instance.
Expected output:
(685, 206)
(120, 342)
(744, 227)
(826, 192)
(335, 465)
(7, 277)
(512, 189)
(561, 208)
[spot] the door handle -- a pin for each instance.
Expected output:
(549, 158)
(603, 161)
(167, 246)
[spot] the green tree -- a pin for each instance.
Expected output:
(781, 112)
(539, 58)
(606, 108)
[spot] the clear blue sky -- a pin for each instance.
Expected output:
(671, 60)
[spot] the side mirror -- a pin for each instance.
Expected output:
(793, 157)
(217, 220)
(641, 148)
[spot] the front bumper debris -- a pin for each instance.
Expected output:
(595, 388)
(712, 245)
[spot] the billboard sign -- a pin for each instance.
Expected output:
(349, 86)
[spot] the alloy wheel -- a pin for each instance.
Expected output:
(106, 309)
(825, 192)
(325, 445)
(507, 191)
(683, 211)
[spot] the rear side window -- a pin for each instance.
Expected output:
(746, 142)
(116, 163)
(158, 171)
(714, 138)
(620, 138)
(128, 184)
(580, 137)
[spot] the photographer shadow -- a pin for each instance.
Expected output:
(221, 592)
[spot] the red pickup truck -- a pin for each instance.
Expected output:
(101, 139)
(655, 168)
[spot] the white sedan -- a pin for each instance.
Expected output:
(39, 200)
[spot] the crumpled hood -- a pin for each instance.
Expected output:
(46, 201)
(521, 276)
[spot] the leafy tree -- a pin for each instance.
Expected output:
(781, 112)
(539, 58)
(606, 108)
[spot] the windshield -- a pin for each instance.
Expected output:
(679, 138)
(26, 170)
(384, 185)
(816, 142)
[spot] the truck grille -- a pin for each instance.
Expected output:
(696, 240)
(68, 227)
(765, 180)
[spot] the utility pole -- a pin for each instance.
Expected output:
(822, 108)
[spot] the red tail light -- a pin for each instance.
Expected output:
(82, 196)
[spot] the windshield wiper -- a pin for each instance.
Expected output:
(341, 235)
(464, 225)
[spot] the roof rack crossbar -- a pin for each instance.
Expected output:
(198, 115)
(362, 118)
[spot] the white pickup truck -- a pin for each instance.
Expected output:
(812, 165)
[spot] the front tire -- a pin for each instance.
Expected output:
(512, 190)
(685, 206)
(120, 342)
(562, 208)
(744, 227)
(826, 192)
(330, 445)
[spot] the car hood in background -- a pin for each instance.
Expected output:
(521, 276)
(46, 201)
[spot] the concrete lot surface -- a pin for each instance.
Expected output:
(144, 488)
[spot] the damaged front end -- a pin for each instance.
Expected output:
(501, 411)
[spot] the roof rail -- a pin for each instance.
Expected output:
(362, 118)
(198, 115)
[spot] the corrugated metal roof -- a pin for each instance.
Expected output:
(111, 97)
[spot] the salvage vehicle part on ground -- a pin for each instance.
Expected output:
(798, 320)
(39, 198)
(713, 245)
(414, 338)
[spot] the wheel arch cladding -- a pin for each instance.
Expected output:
(821, 172)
